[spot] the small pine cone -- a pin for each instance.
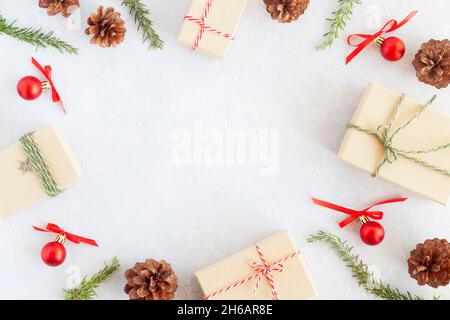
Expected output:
(107, 27)
(286, 11)
(432, 63)
(66, 7)
(151, 280)
(429, 263)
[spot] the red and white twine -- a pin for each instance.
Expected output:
(204, 27)
(263, 270)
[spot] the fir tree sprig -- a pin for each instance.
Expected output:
(338, 22)
(142, 19)
(360, 269)
(86, 289)
(35, 37)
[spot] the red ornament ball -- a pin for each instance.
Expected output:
(53, 254)
(393, 49)
(372, 233)
(29, 87)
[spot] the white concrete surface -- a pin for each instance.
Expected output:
(131, 110)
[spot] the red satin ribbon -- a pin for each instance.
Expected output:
(71, 237)
(47, 72)
(366, 39)
(354, 214)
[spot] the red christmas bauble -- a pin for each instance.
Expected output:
(29, 87)
(53, 254)
(372, 233)
(392, 49)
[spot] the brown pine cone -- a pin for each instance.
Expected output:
(432, 63)
(429, 263)
(107, 27)
(151, 280)
(66, 7)
(285, 11)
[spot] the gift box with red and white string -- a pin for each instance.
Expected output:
(210, 25)
(271, 269)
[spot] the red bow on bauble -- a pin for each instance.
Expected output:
(355, 214)
(69, 236)
(53, 253)
(366, 39)
(30, 87)
(371, 232)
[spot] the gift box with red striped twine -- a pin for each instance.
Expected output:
(271, 269)
(210, 25)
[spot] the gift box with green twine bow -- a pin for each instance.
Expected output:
(403, 141)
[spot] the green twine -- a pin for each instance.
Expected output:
(386, 135)
(41, 168)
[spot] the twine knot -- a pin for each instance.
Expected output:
(267, 270)
(385, 133)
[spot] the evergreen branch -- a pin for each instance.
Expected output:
(86, 289)
(35, 37)
(338, 22)
(360, 269)
(142, 19)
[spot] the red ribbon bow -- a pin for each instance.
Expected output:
(47, 72)
(366, 39)
(354, 214)
(70, 236)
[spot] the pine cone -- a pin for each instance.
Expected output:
(66, 7)
(107, 27)
(151, 280)
(286, 10)
(432, 63)
(429, 263)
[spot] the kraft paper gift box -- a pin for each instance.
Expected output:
(226, 279)
(221, 23)
(429, 130)
(20, 189)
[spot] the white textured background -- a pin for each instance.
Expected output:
(125, 103)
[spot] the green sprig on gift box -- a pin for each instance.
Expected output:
(360, 270)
